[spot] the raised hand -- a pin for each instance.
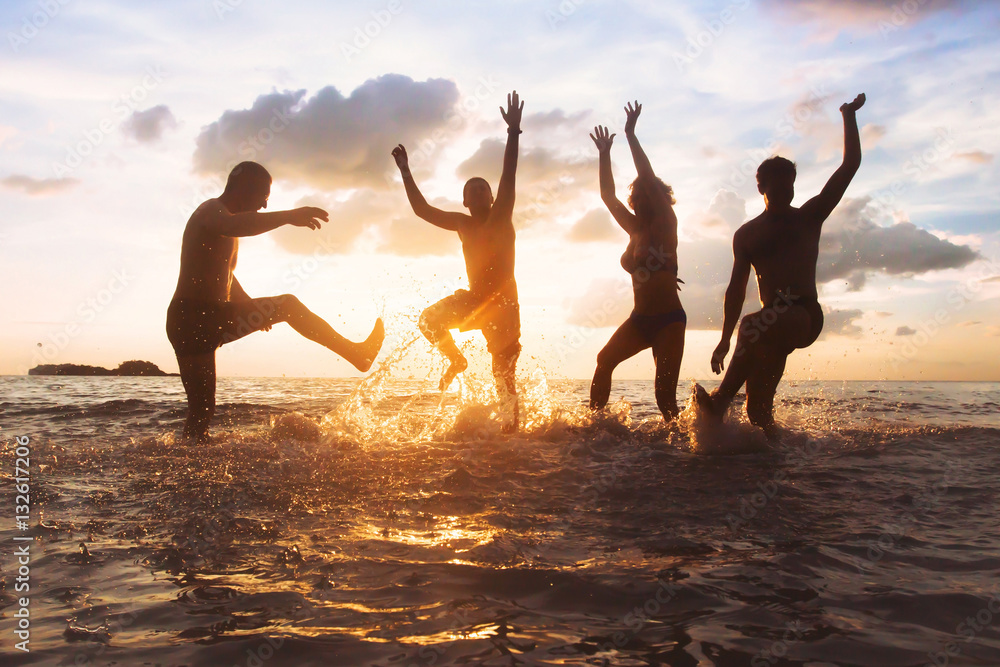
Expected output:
(858, 102)
(719, 356)
(602, 138)
(402, 161)
(513, 114)
(631, 115)
(309, 216)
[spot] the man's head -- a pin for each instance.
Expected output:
(641, 192)
(247, 188)
(477, 196)
(776, 181)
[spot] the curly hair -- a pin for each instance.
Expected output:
(639, 190)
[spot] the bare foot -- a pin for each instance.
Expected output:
(457, 366)
(706, 402)
(369, 349)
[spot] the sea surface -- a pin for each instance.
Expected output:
(379, 522)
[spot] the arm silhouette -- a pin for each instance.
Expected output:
(819, 207)
(251, 223)
(659, 202)
(450, 220)
(619, 211)
(505, 191)
(735, 295)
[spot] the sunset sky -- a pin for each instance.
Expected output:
(118, 118)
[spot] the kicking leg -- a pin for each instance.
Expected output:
(198, 377)
(256, 314)
(435, 323)
(668, 349)
(625, 343)
(504, 374)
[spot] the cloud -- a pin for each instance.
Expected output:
(331, 141)
(6, 133)
(409, 236)
(905, 331)
(830, 16)
(148, 126)
(725, 213)
(552, 120)
(548, 183)
(979, 157)
(348, 221)
(39, 186)
(595, 225)
(605, 303)
(853, 247)
(841, 323)
(871, 134)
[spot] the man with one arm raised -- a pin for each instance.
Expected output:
(782, 246)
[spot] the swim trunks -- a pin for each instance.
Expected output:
(200, 327)
(499, 317)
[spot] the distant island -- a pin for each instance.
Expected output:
(126, 368)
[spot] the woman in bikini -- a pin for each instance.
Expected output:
(658, 320)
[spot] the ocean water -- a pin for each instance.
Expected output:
(377, 522)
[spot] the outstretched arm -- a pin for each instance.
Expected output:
(621, 214)
(642, 165)
(819, 207)
(505, 191)
(217, 220)
(450, 220)
(735, 294)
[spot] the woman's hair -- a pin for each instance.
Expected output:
(640, 188)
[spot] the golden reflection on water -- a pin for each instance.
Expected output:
(446, 532)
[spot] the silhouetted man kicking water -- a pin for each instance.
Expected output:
(210, 308)
(782, 246)
(487, 234)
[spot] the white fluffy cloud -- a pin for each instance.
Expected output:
(148, 126)
(329, 140)
(853, 247)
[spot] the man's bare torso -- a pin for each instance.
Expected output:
(783, 249)
(207, 260)
(488, 247)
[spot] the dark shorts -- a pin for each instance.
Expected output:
(201, 327)
(499, 318)
(651, 325)
(815, 318)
